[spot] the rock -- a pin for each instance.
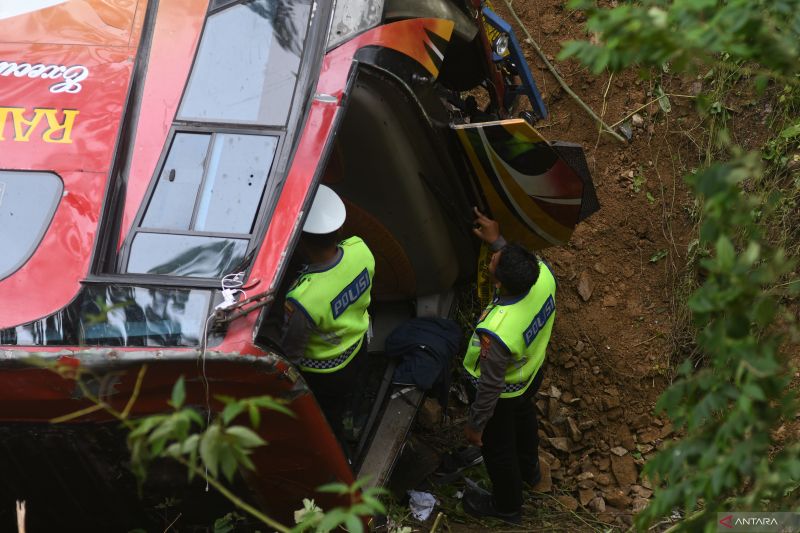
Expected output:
(602, 462)
(606, 518)
(587, 424)
(585, 496)
(603, 479)
(639, 505)
(624, 469)
(619, 451)
(554, 412)
(646, 484)
(574, 432)
(600, 269)
(615, 413)
(609, 301)
(598, 505)
(588, 484)
(555, 392)
(610, 402)
(568, 502)
(640, 421)
(584, 476)
(540, 406)
(551, 430)
(550, 459)
(566, 397)
(644, 448)
(546, 483)
(641, 491)
(626, 439)
(560, 444)
(579, 346)
(626, 130)
(430, 414)
(569, 364)
(595, 370)
(585, 286)
(666, 431)
(616, 498)
(637, 120)
(649, 435)
(547, 457)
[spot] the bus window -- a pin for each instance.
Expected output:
(207, 195)
(185, 255)
(247, 64)
(28, 201)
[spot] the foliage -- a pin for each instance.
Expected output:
(219, 446)
(729, 409)
(683, 33)
(363, 502)
(210, 448)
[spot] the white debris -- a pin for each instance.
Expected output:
(421, 504)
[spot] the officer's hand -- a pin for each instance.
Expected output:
(473, 437)
(486, 229)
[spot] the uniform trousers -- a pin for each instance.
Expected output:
(511, 447)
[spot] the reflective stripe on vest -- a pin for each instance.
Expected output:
(335, 302)
(524, 327)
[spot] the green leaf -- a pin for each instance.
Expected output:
(658, 256)
(227, 459)
(375, 504)
(210, 447)
(354, 524)
(255, 415)
(231, 411)
(725, 253)
(663, 101)
(754, 391)
(334, 488)
(791, 132)
(651, 198)
(332, 518)
(267, 402)
(246, 437)
(178, 393)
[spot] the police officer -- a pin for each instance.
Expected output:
(326, 318)
(503, 363)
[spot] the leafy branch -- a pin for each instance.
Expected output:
(217, 450)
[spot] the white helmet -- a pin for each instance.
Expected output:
(327, 212)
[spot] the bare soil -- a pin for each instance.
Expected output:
(619, 324)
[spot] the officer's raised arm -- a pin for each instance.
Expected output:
(488, 230)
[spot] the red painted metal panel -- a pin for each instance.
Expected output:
(66, 123)
(175, 38)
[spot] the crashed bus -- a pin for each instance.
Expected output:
(150, 149)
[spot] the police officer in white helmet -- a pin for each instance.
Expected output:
(326, 318)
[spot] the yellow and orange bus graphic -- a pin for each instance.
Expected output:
(48, 124)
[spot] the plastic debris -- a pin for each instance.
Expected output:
(421, 504)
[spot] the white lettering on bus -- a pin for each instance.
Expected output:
(70, 76)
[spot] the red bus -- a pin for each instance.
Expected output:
(151, 149)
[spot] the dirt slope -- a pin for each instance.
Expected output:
(613, 336)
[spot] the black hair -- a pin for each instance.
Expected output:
(321, 241)
(517, 269)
